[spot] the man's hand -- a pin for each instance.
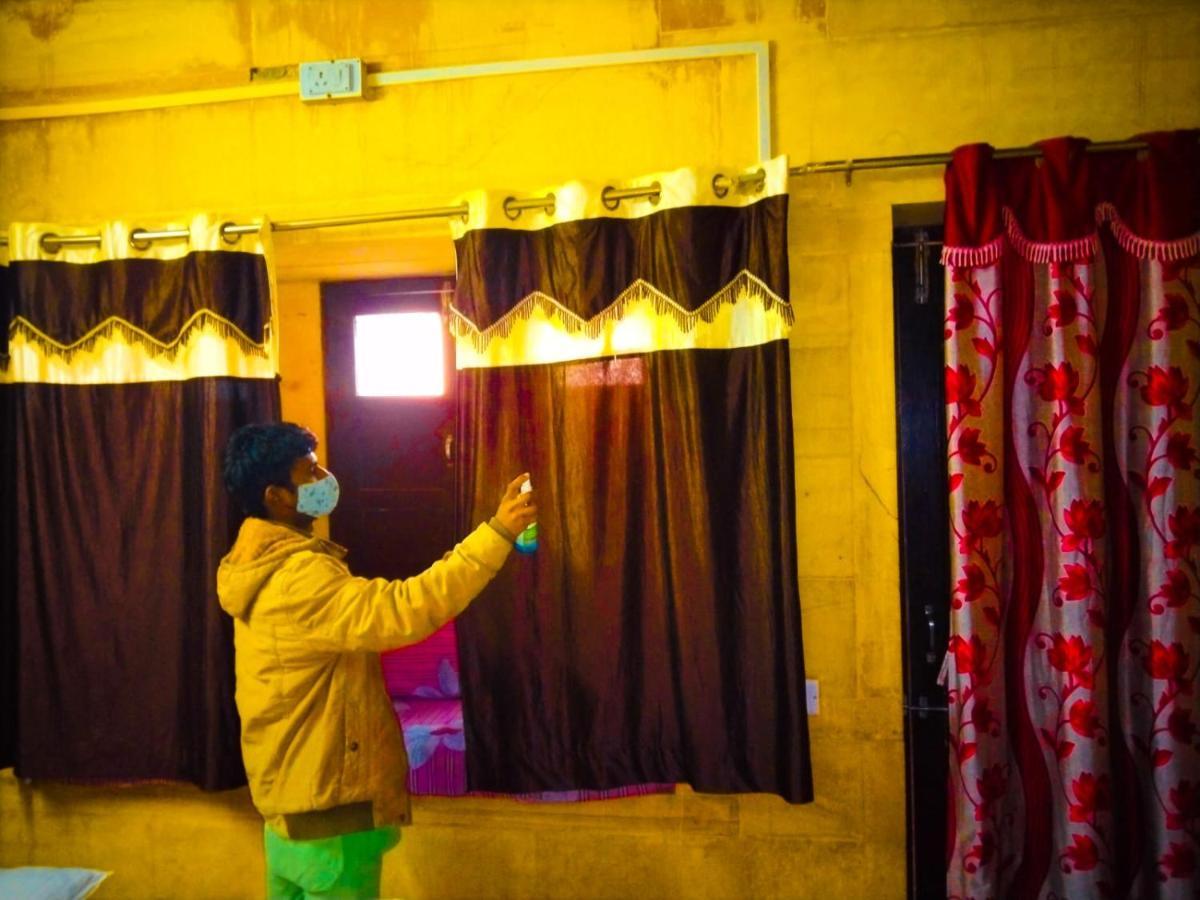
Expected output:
(517, 511)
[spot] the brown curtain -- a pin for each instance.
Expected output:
(655, 634)
(116, 661)
(8, 543)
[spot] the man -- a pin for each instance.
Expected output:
(323, 752)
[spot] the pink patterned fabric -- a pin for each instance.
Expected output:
(422, 681)
(433, 734)
(1072, 374)
(422, 668)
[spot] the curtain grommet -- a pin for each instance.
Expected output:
(232, 240)
(610, 202)
(48, 243)
(137, 242)
(514, 207)
(720, 185)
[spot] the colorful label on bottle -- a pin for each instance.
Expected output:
(527, 539)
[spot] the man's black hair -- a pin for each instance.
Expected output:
(258, 456)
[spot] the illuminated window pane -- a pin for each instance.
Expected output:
(399, 355)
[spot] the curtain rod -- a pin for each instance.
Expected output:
(917, 160)
(141, 237)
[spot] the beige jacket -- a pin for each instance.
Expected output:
(323, 751)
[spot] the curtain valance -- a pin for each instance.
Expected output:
(703, 266)
(113, 313)
(1052, 209)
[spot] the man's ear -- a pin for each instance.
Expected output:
(274, 495)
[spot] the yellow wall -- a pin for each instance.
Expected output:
(850, 78)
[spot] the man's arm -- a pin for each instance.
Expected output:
(335, 610)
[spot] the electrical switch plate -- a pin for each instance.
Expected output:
(331, 79)
(813, 695)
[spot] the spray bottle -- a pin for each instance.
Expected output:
(527, 540)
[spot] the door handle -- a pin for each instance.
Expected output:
(923, 707)
(931, 624)
(448, 447)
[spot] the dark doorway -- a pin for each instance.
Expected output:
(390, 424)
(917, 281)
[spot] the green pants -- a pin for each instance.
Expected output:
(346, 867)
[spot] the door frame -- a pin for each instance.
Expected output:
(918, 284)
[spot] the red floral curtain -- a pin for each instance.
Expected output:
(1072, 373)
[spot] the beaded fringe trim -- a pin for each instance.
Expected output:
(1144, 248)
(115, 328)
(1047, 251)
(638, 292)
(973, 257)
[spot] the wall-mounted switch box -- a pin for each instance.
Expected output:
(813, 696)
(331, 79)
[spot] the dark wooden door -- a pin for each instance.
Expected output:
(924, 548)
(393, 455)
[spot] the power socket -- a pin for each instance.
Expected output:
(332, 79)
(812, 693)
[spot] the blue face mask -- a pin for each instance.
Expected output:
(317, 498)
